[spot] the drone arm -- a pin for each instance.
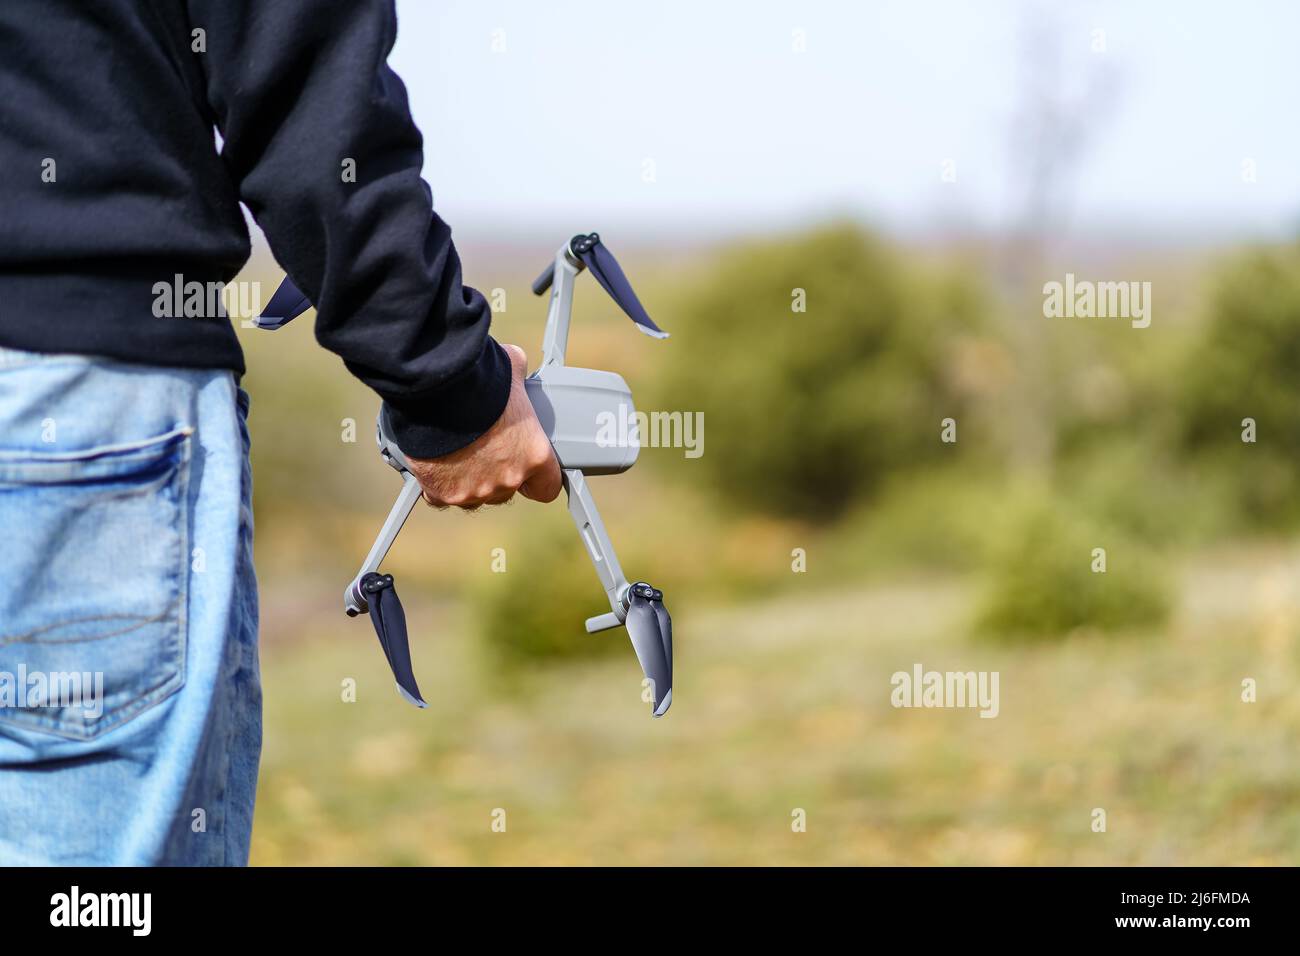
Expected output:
(353, 601)
(582, 509)
(559, 277)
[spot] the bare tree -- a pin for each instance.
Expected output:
(1067, 90)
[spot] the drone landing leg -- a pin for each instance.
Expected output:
(354, 601)
(638, 605)
(582, 509)
(374, 592)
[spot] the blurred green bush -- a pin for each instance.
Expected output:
(1042, 583)
(1149, 492)
(1247, 365)
(806, 411)
(945, 518)
(534, 610)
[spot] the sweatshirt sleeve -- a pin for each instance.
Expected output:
(320, 143)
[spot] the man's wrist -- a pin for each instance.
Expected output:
(445, 420)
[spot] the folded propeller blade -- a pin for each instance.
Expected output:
(602, 264)
(286, 305)
(651, 631)
(390, 625)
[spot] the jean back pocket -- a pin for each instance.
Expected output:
(93, 583)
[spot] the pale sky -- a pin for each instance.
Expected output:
(743, 131)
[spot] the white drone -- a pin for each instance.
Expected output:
(570, 403)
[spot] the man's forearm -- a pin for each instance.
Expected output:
(322, 148)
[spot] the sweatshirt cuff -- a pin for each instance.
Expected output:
(447, 419)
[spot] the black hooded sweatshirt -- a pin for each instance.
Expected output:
(113, 182)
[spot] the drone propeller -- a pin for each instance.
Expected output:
(286, 304)
(651, 630)
(390, 624)
(606, 270)
(595, 255)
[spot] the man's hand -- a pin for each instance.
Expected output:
(513, 455)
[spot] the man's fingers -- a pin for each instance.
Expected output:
(514, 455)
(469, 501)
(544, 483)
(501, 497)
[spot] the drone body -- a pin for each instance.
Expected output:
(570, 403)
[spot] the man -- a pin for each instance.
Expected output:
(130, 704)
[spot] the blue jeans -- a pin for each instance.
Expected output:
(130, 701)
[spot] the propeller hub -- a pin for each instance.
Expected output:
(580, 243)
(374, 583)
